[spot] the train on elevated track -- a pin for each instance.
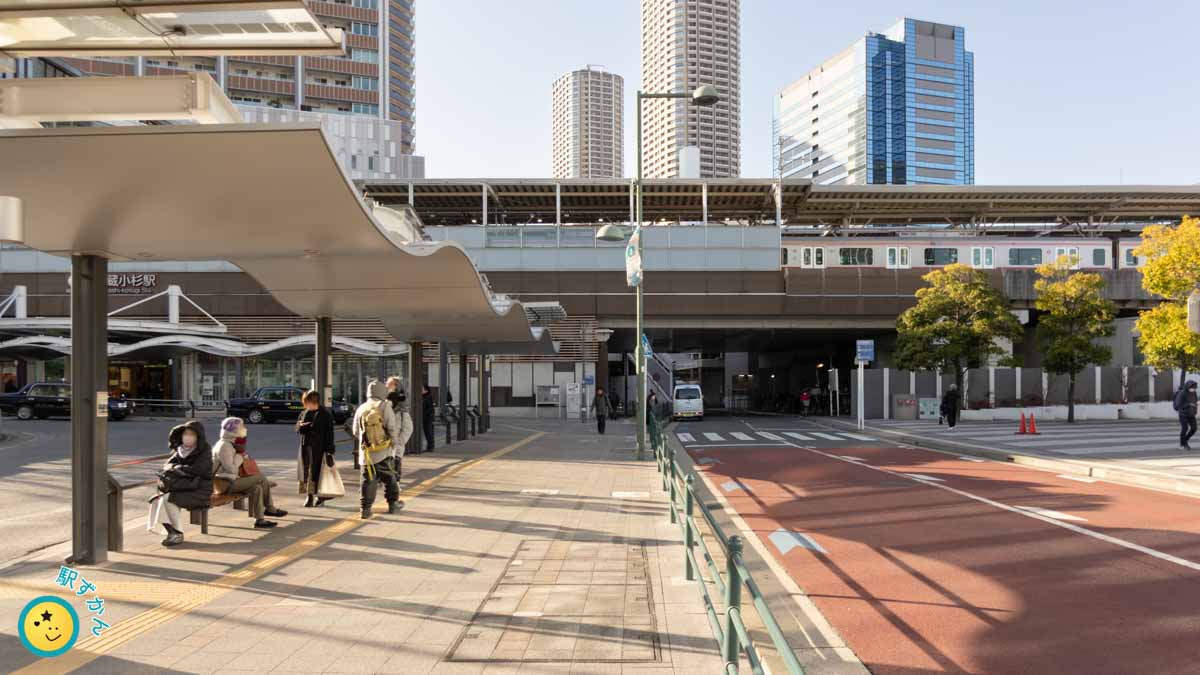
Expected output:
(982, 252)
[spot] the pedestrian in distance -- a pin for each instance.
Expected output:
(950, 406)
(602, 408)
(399, 400)
(380, 441)
(805, 402)
(235, 472)
(315, 427)
(427, 416)
(1185, 406)
(185, 482)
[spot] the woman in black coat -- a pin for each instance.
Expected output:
(185, 481)
(315, 427)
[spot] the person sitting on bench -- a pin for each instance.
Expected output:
(185, 481)
(235, 472)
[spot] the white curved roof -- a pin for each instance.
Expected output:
(270, 199)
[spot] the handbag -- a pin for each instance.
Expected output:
(330, 485)
(249, 467)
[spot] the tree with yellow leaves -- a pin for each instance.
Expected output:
(1172, 270)
(1074, 313)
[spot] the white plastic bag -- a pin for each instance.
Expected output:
(330, 485)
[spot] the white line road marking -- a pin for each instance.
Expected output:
(630, 495)
(971, 459)
(1081, 479)
(858, 437)
(730, 486)
(1166, 557)
(786, 540)
(708, 460)
(771, 436)
(799, 437)
(921, 476)
(1057, 515)
(712, 436)
(759, 444)
(538, 491)
(828, 437)
(852, 459)
(686, 438)
(742, 437)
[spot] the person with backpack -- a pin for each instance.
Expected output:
(600, 405)
(1185, 406)
(381, 440)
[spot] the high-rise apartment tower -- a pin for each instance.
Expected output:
(895, 107)
(587, 129)
(685, 44)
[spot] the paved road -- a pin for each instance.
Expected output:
(35, 466)
(929, 562)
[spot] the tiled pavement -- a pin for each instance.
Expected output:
(553, 557)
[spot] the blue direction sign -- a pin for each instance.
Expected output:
(864, 350)
(589, 379)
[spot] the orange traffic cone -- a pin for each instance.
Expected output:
(1032, 425)
(1022, 429)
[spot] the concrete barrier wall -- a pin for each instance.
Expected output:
(1105, 389)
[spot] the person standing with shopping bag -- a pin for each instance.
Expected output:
(315, 427)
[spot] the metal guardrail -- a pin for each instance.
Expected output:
(733, 637)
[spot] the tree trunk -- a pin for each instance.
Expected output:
(1071, 398)
(959, 372)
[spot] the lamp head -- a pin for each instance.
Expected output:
(705, 94)
(610, 232)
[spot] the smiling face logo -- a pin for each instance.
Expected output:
(48, 626)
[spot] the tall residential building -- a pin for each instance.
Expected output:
(372, 85)
(895, 107)
(587, 129)
(685, 44)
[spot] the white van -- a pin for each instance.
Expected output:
(688, 402)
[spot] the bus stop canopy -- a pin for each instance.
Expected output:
(270, 199)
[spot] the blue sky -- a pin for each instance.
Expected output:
(1065, 91)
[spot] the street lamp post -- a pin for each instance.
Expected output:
(704, 95)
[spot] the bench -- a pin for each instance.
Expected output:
(200, 516)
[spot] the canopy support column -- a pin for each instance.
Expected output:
(89, 409)
(463, 367)
(323, 363)
(484, 390)
(443, 396)
(416, 380)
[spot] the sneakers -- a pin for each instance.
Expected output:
(366, 514)
(264, 524)
(275, 513)
(394, 507)
(173, 539)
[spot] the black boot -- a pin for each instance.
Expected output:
(311, 501)
(366, 513)
(394, 507)
(263, 524)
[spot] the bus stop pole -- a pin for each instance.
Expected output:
(861, 401)
(443, 398)
(484, 389)
(463, 366)
(89, 409)
(416, 380)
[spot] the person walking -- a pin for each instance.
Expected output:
(1185, 406)
(315, 427)
(602, 408)
(240, 474)
(399, 400)
(185, 481)
(950, 406)
(427, 416)
(380, 438)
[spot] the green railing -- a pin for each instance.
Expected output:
(733, 637)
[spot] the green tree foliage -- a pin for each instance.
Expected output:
(1171, 270)
(1164, 338)
(955, 323)
(1074, 314)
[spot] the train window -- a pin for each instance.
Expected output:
(1019, 257)
(819, 257)
(1098, 257)
(812, 256)
(941, 256)
(897, 257)
(855, 256)
(1070, 252)
(983, 256)
(1131, 260)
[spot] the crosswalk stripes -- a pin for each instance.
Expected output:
(778, 436)
(686, 438)
(713, 436)
(857, 437)
(828, 437)
(770, 436)
(742, 437)
(797, 436)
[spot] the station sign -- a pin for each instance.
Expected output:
(864, 350)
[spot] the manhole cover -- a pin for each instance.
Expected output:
(564, 601)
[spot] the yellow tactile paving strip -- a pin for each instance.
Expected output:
(198, 595)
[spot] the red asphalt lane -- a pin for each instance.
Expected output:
(918, 579)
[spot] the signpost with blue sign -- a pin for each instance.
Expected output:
(864, 352)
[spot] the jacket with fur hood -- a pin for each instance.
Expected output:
(197, 463)
(398, 427)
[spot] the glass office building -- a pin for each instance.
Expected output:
(894, 108)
